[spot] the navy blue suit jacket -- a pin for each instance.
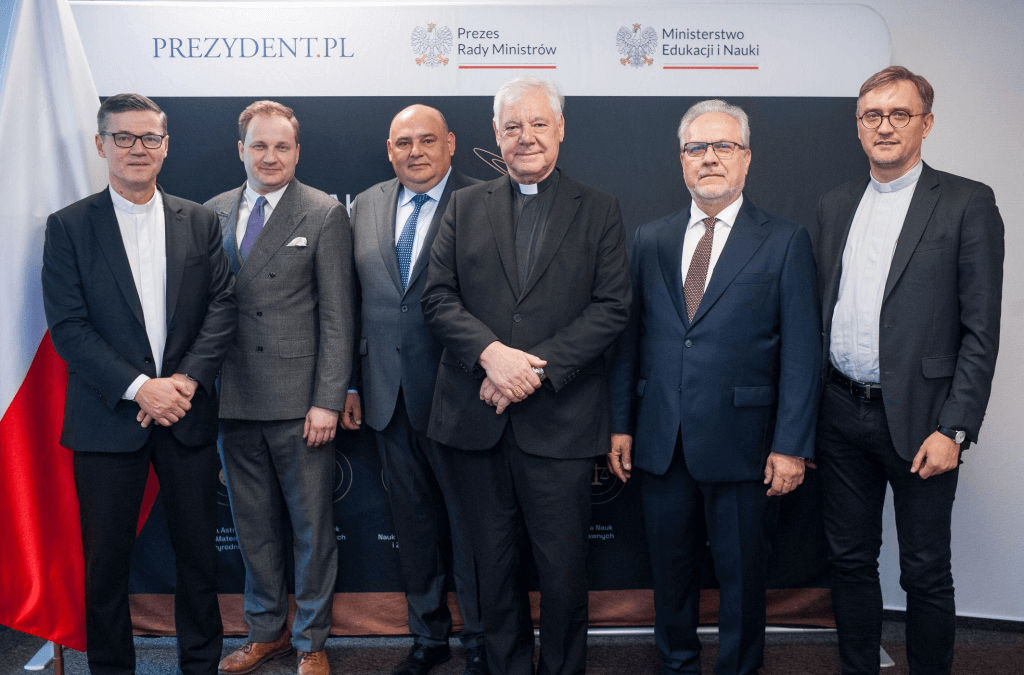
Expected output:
(740, 380)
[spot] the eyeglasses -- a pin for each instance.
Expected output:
(123, 139)
(897, 118)
(722, 149)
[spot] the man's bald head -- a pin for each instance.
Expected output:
(420, 147)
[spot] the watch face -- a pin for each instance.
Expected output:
(960, 437)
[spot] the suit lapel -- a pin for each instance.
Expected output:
(563, 210)
(228, 221)
(282, 222)
(499, 213)
(385, 206)
(748, 232)
(175, 243)
(108, 233)
(455, 182)
(926, 195)
(670, 258)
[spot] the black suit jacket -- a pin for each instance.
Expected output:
(395, 349)
(573, 306)
(97, 326)
(939, 325)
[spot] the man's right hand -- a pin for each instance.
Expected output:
(620, 459)
(511, 370)
(164, 400)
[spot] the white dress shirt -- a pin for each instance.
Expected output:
(143, 234)
(866, 259)
(695, 230)
(405, 209)
(245, 208)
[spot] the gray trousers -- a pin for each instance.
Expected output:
(271, 474)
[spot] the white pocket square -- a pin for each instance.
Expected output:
(297, 241)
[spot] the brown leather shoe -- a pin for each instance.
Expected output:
(314, 663)
(252, 655)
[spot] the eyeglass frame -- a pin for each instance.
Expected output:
(710, 144)
(910, 117)
(135, 138)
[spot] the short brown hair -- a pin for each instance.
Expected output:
(266, 108)
(892, 75)
(119, 103)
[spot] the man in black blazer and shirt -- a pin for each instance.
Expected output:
(140, 303)
(910, 266)
(528, 285)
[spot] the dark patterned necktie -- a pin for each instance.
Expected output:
(252, 228)
(404, 245)
(693, 288)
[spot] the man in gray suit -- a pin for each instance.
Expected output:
(393, 227)
(282, 386)
(910, 265)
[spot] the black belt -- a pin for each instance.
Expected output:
(865, 390)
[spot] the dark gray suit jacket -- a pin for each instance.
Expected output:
(395, 347)
(97, 326)
(939, 326)
(293, 349)
(572, 307)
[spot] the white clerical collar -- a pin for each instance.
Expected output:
(122, 204)
(272, 197)
(727, 215)
(434, 192)
(903, 182)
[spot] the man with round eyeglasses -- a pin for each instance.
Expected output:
(910, 264)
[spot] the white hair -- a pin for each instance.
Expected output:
(513, 90)
(715, 106)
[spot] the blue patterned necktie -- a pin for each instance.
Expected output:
(404, 245)
(252, 228)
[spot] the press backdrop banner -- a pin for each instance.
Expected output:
(628, 74)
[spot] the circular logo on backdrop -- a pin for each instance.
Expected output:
(636, 46)
(222, 489)
(342, 475)
(431, 44)
(605, 486)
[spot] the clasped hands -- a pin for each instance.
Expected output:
(510, 377)
(165, 400)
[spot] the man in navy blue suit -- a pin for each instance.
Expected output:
(717, 378)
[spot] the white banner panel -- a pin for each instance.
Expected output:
(303, 49)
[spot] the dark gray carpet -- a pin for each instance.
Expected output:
(982, 647)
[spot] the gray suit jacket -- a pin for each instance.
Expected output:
(939, 325)
(395, 347)
(293, 348)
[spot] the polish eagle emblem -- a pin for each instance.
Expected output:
(431, 45)
(636, 45)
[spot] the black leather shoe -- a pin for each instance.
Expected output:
(422, 659)
(476, 661)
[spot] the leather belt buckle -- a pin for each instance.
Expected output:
(863, 390)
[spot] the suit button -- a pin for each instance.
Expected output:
(405, 308)
(680, 389)
(272, 275)
(259, 313)
(688, 343)
(259, 349)
(147, 360)
(398, 350)
(517, 318)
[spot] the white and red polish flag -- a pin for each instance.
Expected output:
(48, 106)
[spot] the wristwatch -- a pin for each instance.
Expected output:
(958, 435)
(540, 373)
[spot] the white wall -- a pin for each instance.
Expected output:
(970, 51)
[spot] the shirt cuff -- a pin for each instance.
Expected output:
(353, 391)
(133, 388)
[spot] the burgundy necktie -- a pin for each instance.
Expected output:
(693, 288)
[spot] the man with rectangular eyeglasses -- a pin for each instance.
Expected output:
(910, 264)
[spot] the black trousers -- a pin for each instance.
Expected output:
(733, 512)
(857, 458)
(512, 500)
(110, 486)
(433, 548)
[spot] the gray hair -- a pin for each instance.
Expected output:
(715, 106)
(513, 90)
